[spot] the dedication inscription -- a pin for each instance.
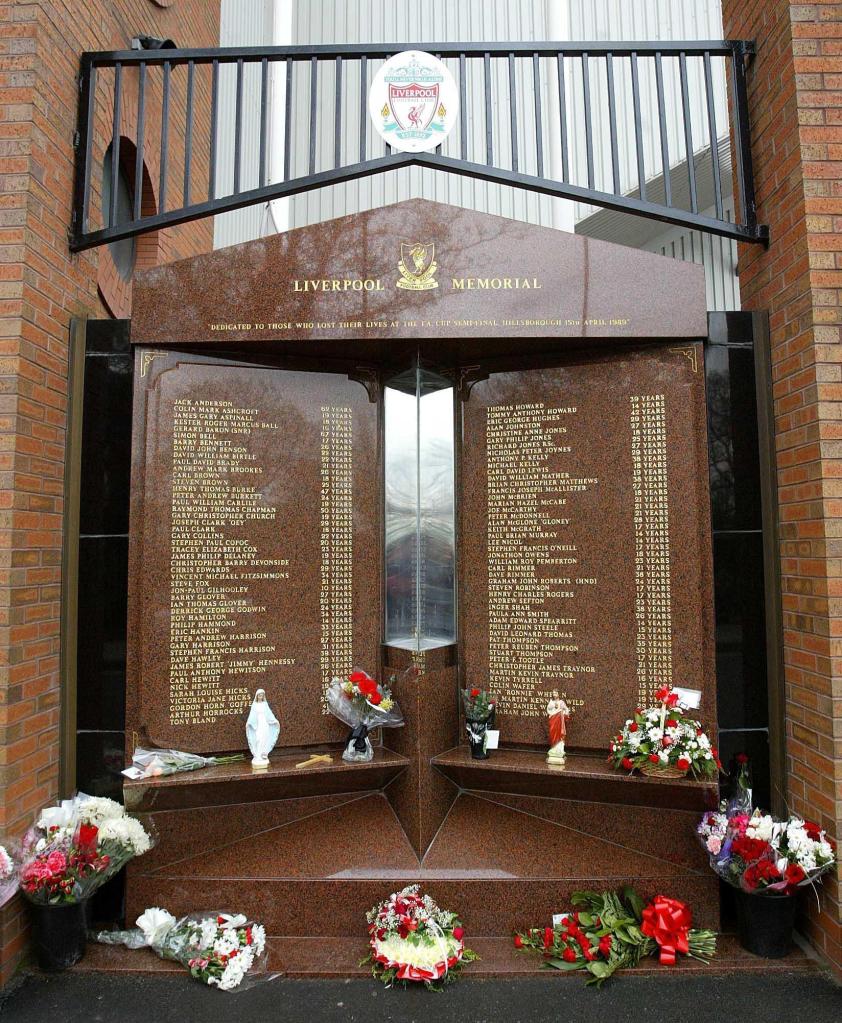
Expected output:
(258, 488)
(585, 558)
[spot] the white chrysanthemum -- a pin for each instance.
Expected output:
(635, 739)
(98, 809)
(226, 943)
(128, 832)
(235, 970)
(155, 924)
(761, 828)
(424, 956)
(258, 937)
(207, 932)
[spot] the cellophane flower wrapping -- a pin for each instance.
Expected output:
(413, 940)
(223, 950)
(763, 855)
(156, 763)
(8, 874)
(664, 736)
(76, 846)
(359, 700)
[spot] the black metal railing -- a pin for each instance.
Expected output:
(612, 125)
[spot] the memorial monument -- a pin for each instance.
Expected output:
(417, 436)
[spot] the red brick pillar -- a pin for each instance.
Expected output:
(795, 103)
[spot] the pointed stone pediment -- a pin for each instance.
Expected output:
(419, 269)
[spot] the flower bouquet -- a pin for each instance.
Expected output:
(612, 931)
(664, 742)
(8, 876)
(73, 849)
(362, 704)
(221, 950)
(155, 763)
(479, 716)
(740, 798)
(413, 940)
(767, 861)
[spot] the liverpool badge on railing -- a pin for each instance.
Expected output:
(413, 101)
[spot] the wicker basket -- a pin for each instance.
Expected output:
(662, 771)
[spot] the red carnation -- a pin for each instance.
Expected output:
(518, 941)
(671, 723)
(548, 937)
(654, 758)
(749, 849)
(367, 686)
(568, 955)
(794, 874)
(357, 677)
(474, 693)
(458, 933)
(813, 830)
(627, 764)
(742, 758)
(633, 726)
(683, 764)
(375, 698)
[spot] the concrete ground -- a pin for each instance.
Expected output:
(77, 997)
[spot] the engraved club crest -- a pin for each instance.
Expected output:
(417, 267)
(413, 101)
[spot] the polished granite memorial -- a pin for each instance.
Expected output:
(489, 470)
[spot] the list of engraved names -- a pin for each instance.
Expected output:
(218, 631)
(534, 568)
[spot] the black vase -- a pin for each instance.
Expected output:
(477, 738)
(59, 934)
(765, 924)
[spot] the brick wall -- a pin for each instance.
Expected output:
(41, 287)
(796, 112)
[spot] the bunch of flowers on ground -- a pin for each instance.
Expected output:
(762, 855)
(664, 738)
(8, 876)
(412, 939)
(77, 846)
(612, 931)
(219, 949)
(155, 763)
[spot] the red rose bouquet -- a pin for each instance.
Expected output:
(362, 704)
(664, 741)
(413, 940)
(610, 931)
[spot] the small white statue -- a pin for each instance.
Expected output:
(262, 730)
(557, 712)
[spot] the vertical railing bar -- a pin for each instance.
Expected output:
(612, 121)
(89, 98)
(165, 138)
(337, 115)
(264, 117)
(539, 128)
(238, 126)
(287, 118)
(363, 106)
(742, 142)
(139, 137)
(188, 132)
(688, 131)
(489, 125)
(513, 109)
(463, 109)
(586, 96)
(714, 142)
(562, 113)
(638, 132)
(314, 93)
(662, 120)
(115, 145)
(438, 148)
(213, 132)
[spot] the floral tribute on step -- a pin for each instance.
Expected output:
(612, 931)
(76, 846)
(157, 763)
(362, 704)
(8, 876)
(761, 855)
(222, 950)
(664, 741)
(414, 941)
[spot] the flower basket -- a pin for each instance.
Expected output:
(662, 771)
(765, 923)
(59, 933)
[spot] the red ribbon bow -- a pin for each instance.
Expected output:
(668, 922)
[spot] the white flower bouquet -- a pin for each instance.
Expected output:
(222, 950)
(156, 763)
(76, 846)
(8, 876)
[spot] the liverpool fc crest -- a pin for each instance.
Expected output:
(417, 266)
(413, 101)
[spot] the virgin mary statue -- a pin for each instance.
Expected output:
(262, 730)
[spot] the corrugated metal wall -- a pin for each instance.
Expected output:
(242, 23)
